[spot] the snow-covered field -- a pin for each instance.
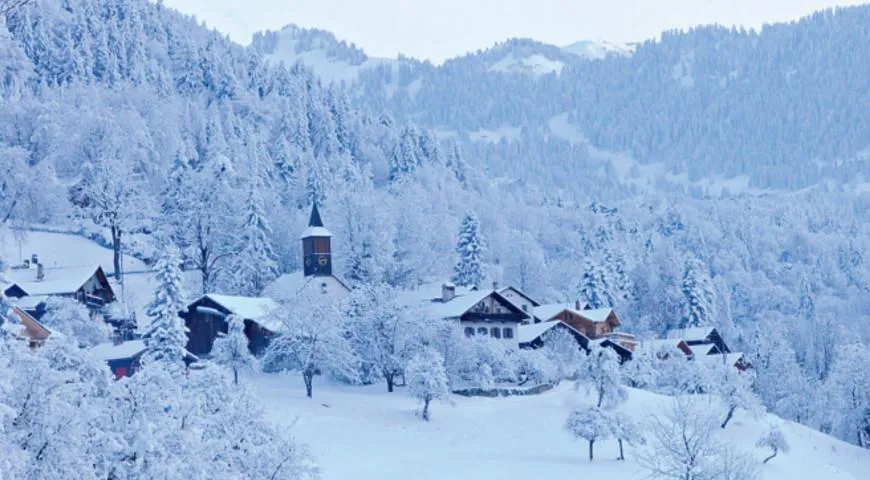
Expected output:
(366, 433)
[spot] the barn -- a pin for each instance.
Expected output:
(206, 319)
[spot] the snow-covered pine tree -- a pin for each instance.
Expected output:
(698, 294)
(470, 247)
(455, 161)
(232, 350)
(594, 286)
(255, 265)
(166, 335)
(427, 379)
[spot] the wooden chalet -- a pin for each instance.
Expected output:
(88, 285)
(531, 336)
(206, 319)
(702, 340)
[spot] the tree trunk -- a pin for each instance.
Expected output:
(309, 382)
(775, 451)
(426, 408)
(390, 383)
(728, 417)
(236, 376)
(116, 252)
(591, 444)
(621, 455)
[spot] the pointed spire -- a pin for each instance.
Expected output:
(315, 220)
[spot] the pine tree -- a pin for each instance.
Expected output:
(255, 264)
(456, 162)
(166, 336)
(469, 270)
(594, 287)
(698, 294)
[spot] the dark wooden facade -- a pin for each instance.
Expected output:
(206, 320)
(590, 328)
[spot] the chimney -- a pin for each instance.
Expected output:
(577, 305)
(495, 285)
(40, 272)
(448, 292)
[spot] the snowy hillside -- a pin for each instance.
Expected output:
(597, 49)
(364, 433)
(332, 60)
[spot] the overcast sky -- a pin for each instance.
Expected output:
(439, 29)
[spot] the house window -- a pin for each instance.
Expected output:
(482, 331)
(495, 332)
(525, 308)
(469, 331)
(508, 332)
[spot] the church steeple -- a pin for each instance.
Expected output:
(316, 246)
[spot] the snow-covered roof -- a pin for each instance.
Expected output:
(726, 358)
(519, 292)
(57, 281)
(289, 285)
(459, 305)
(691, 334)
(547, 312)
(112, 351)
(659, 344)
(30, 303)
(316, 232)
(528, 333)
(251, 308)
(429, 299)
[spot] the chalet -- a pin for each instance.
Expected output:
(596, 324)
(478, 312)
(702, 340)
(88, 285)
(123, 358)
(206, 319)
(518, 298)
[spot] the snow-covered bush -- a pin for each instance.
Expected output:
(232, 350)
(536, 367)
(562, 349)
(775, 440)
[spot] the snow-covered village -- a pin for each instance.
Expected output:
(240, 253)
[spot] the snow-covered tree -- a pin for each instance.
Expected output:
(232, 350)
(70, 317)
(562, 349)
(255, 264)
(591, 424)
(733, 387)
(470, 247)
(601, 374)
(595, 287)
(427, 379)
(775, 440)
(698, 293)
(166, 335)
(314, 341)
(536, 367)
(625, 431)
(851, 382)
(642, 371)
(683, 446)
(385, 333)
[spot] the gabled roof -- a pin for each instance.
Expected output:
(463, 301)
(528, 333)
(27, 327)
(57, 281)
(659, 345)
(250, 308)
(111, 351)
(290, 284)
(549, 311)
(531, 300)
(695, 334)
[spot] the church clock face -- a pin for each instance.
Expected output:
(322, 260)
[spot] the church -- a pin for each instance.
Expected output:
(206, 317)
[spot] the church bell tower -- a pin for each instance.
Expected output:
(316, 246)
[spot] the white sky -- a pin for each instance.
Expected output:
(440, 29)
